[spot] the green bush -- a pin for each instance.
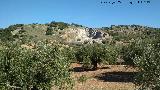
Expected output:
(76, 25)
(149, 68)
(40, 68)
(82, 79)
(6, 35)
(59, 25)
(92, 54)
(129, 52)
(49, 31)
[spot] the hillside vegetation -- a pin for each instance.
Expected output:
(38, 56)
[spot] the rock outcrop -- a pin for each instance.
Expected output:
(83, 35)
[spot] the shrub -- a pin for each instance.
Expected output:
(40, 68)
(76, 25)
(49, 31)
(14, 27)
(62, 25)
(82, 79)
(6, 35)
(59, 25)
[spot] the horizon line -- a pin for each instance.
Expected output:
(3, 27)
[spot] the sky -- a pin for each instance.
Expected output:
(90, 13)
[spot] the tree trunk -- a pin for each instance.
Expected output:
(94, 63)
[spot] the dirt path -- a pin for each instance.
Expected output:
(111, 77)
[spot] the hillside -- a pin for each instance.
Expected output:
(75, 34)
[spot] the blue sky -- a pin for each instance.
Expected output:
(90, 13)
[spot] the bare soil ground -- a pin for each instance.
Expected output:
(108, 77)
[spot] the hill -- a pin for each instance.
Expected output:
(75, 34)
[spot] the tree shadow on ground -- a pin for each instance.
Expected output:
(117, 76)
(78, 69)
(82, 69)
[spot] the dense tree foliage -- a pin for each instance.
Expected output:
(49, 31)
(6, 35)
(129, 52)
(59, 25)
(26, 69)
(16, 26)
(149, 67)
(93, 54)
(145, 55)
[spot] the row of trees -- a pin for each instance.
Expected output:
(43, 66)
(34, 69)
(142, 53)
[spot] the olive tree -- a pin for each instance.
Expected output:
(135, 48)
(149, 68)
(34, 69)
(92, 54)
